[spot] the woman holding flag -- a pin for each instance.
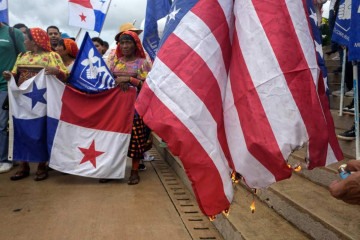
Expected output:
(130, 68)
(38, 56)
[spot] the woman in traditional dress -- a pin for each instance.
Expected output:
(68, 50)
(38, 56)
(130, 68)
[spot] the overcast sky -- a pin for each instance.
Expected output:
(43, 13)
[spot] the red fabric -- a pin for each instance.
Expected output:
(71, 47)
(92, 110)
(140, 50)
(41, 38)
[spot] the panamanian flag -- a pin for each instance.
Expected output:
(89, 134)
(88, 14)
(4, 15)
(28, 106)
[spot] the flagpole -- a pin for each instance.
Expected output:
(356, 106)
(78, 35)
(342, 87)
(107, 10)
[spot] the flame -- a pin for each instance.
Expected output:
(235, 177)
(252, 206)
(289, 166)
(226, 212)
(212, 218)
(297, 168)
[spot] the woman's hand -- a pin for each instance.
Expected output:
(123, 82)
(122, 79)
(51, 71)
(7, 75)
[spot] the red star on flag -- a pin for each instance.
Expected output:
(90, 154)
(83, 17)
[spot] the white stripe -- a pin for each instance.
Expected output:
(330, 157)
(268, 79)
(297, 14)
(255, 174)
(55, 91)
(190, 110)
(66, 155)
(195, 33)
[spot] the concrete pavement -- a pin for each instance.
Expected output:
(71, 207)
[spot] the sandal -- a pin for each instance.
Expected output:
(41, 175)
(20, 175)
(134, 178)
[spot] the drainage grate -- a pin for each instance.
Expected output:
(197, 224)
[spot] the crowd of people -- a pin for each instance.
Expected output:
(26, 51)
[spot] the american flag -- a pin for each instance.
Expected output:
(233, 87)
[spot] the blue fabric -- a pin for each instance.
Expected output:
(341, 32)
(30, 140)
(4, 15)
(90, 73)
(4, 137)
(155, 10)
(354, 45)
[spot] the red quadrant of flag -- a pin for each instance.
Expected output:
(99, 111)
(84, 3)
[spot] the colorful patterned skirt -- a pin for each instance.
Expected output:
(139, 137)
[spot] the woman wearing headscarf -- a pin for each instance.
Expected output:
(38, 56)
(130, 68)
(68, 50)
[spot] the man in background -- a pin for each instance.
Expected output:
(54, 35)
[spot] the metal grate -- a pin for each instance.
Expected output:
(197, 224)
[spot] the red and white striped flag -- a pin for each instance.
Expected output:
(242, 99)
(272, 105)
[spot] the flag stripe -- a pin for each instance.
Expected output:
(301, 83)
(207, 50)
(101, 110)
(198, 162)
(255, 174)
(258, 111)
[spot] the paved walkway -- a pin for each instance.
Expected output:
(70, 207)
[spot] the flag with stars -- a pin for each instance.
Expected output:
(89, 134)
(342, 27)
(156, 10)
(4, 14)
(88, 14)
(28, 103)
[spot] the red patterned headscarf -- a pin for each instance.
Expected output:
(139, 48)
(71, 47)
(41, 38)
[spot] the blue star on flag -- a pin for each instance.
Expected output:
(36, 95)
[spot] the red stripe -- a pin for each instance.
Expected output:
(84, 3)
(258, 134)
(199, 167)
(283, 39)
(112, 110)
(194, 72)
(216, 20)
(334, 143)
